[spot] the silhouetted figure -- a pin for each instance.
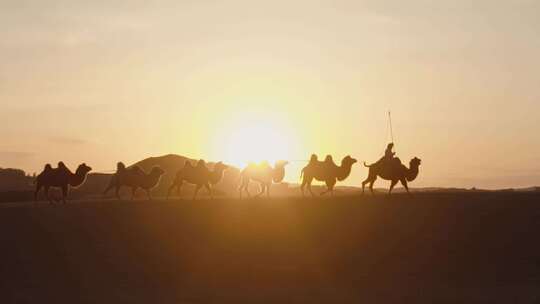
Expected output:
(327, 172)
(388, 154)
(392, 170)
(135, 178)
(60, 177)
(199, 176)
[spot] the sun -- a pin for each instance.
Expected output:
(255, 138)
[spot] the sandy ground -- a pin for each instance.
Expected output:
(432, 248)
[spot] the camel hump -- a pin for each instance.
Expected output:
(48, 167)
(188, 164)
(201, 163)
(120, 166)
(63, 167)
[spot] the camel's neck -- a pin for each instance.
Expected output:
(278, 174)
(343, 172)
(77, 179)
(412, 173)
(216, 176)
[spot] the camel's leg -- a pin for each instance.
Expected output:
(268, 190)
(148, 194)
(367, 181)
(241, 187)
(179, 188)
(38, 188)
(304, 182)
(329, 187)
(262, 188)
(207, 186)
(246, 188)
(240, 190)
(170, 189)
(370, 179)
(109, 187)
(112, 184)
(197, 188)
(404, 183)
(371, 183)
(309, 186)
(117, 191)
(47, 195)
(64, 193)
(133, 190)
(392, 185)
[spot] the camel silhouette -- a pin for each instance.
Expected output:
(264, 174)
(326, 172)
(135, 178)
(60, 177)
(394, 171)
(199, 176)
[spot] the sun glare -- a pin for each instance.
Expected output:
(254, 139)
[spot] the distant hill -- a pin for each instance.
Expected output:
(14, 180)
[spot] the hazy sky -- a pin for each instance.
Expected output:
(102, 81)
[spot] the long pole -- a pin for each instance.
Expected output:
(390, 122)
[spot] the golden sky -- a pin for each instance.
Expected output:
(103, 81)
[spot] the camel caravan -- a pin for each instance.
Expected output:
(388, 167)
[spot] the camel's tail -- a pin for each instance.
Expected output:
(366, 165)
(301, 173)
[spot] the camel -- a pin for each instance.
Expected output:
(394, 171)
(135, 178)
(60, 177)
(264, 174)
(326, 172)
(199, 176)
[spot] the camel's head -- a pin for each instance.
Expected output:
(415, 162)
(281, 163)
(348, 160)
(83, 169)
(157, 171)
(219, 166)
